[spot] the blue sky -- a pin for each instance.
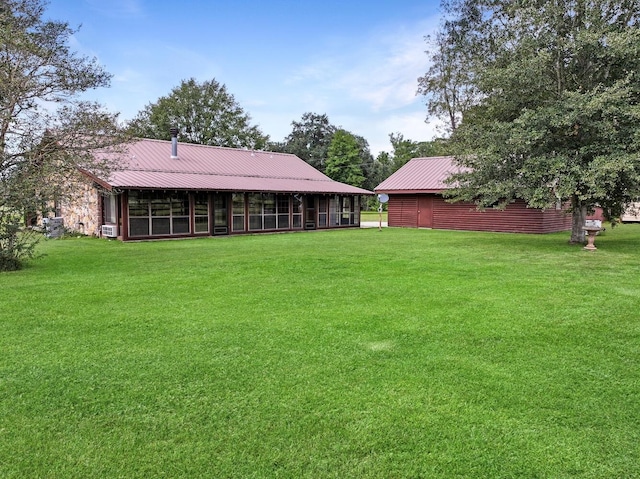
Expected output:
(358, 62)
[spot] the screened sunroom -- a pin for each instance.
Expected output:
(161, 191)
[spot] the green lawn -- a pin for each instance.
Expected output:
(342, 354)
(373, 216)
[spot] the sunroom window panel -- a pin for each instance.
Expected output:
(255, 204)
(202, 224)
(269, 204)
(180, 225)
(296, 203)
(255, 222)
(201, 212)
(161, 226)
(138, 206)
(283, 222)
(160, 206)
(270, 222)
(138, 226)
(180, 205)
(201, 209)
(283, 204)
(238, 212)
(238, 204)
(238, 223)
(138, 210)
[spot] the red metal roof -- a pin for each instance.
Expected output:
(148, 164)
(426, 175)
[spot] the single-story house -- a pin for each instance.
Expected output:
(416, 201)
(162, 189)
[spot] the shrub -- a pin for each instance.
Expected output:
(16, 243)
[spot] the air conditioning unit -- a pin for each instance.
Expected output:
(110, 231)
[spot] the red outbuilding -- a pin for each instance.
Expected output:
(416, 201)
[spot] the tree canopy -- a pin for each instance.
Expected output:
(555, 120)
(46, 132)
(447, 85)
(405, 149)
(204, 113)
(309, 139)
(343, 159)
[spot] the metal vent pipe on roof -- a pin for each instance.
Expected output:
(174, 143)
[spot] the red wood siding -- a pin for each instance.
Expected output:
(555, 220)
(403, 211)
(516, 218)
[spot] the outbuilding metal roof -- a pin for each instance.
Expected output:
(420, 175)
(148, 164)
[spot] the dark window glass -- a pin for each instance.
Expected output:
(238, 204)
(322, 205)
(201, 206)
(160, 226)
(160, 205)
(202, 224)
(255, 222)
(180, 225)
(255, 204)
(297, 204)
(138, 227)
(269, 202)
(138, 204)
(180, 205)
(238, 223)
(270, 222)
(283, 204)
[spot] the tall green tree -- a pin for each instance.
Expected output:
(46, 133)
(204, 113)
(447, 85)
(309, 139)
(344, 160)
(405, 149)
(368, 165)
(558, 109)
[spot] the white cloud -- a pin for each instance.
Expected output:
(386, 76)
(379, 71)
(368, 85)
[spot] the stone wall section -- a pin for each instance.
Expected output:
(83, 214)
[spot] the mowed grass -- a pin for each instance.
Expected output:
(361, 353)
(373, 216)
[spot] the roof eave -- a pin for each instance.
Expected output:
(96, 179)
(390, 191)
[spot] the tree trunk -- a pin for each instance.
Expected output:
(578, 216)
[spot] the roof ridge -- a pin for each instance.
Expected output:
(204, 173)
(217, 147)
